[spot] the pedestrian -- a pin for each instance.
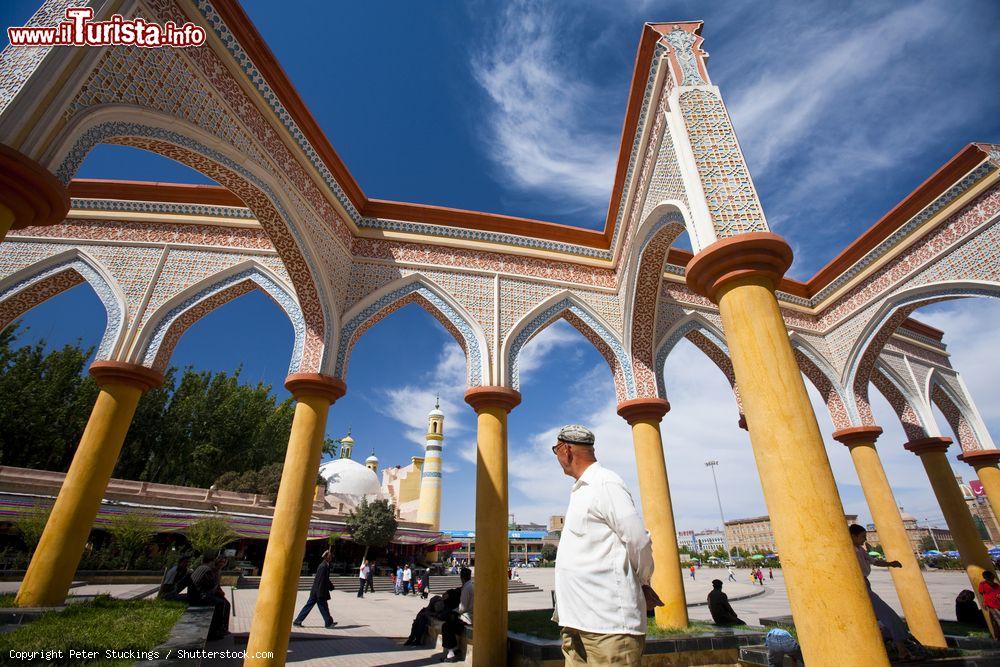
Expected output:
(691, 569)
(604, 561)
(990, 590)
(407, 580)
(363, 577)
(370, 579)
(718, 605)
(319, 594)
(205, 589)
(770, 573)
(176, 580)
(399, 580)
(884, 614)
(760, 576)
(780, 643)
(454, 624)
(732, 575)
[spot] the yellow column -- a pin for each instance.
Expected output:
(956, 512)
(644, 416)
(984, 461)
(909, 581)
(57, 556)
(489, 613)
(833, 614)
(29, 194)
(286, 543)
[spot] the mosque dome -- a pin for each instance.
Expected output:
(372, 458)
(436, 412)
(347, 439)
(349, 478)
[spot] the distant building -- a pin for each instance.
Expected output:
(917, 535)
(556, 522)
(685, 538)
(525, 545)
(755, 534)
(707, 541)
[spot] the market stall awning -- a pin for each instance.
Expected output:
(448, 546)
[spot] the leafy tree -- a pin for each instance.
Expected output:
(264, 481)
(927, 543)
(131, 533)
(372, 524)
(31, 524)
(549, 552)
(210, 534)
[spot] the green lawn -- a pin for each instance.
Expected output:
(538, 623)
(97, 625)
(962, 630)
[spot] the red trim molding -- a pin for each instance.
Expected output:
(30, 191)
(931, 445)
(481, 398)
(120, 372)
(857, 435)
(757, 254)
(979, 458)
(99, 188)
(643, 409)
(315, 385)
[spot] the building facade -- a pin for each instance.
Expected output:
(756, 535)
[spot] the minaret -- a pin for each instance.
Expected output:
(430, 482)
(346, 445)
(372, 463)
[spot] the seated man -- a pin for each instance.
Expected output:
(176, 580)
(454, 626)
(718, 605)
(205, 589)
(967, 611)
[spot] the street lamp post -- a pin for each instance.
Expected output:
(930, 529)
(711, 466)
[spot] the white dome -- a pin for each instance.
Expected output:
(347, 477)
(435, 413)
(372, 458)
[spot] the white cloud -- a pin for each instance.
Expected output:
(539, 128)
(558, 335)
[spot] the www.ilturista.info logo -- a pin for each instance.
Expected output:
(79, 30)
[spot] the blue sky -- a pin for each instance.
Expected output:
(517, 108)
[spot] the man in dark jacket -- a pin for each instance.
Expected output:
(718, 605)
(319, 594)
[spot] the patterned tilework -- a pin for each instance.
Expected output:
(53, 278)
(621, 365)
(18, 63)
(682, 42)
(166, 208)
(517, 299)
(617, 370)
(153, 232)
(266, 206)
(653, 253)
(165, 328)
(912, 424)
(729, 192)
(812, 366)
(367, 277)
(960, 426)
(414, 292)
(667, 182)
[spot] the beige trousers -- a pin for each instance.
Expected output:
(590, 648)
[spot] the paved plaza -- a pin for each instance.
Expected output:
(371, 631)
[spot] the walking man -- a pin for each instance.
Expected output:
(407, 579)
(692, 572)
(363, 578)
(604, 561)
(319, 594)
(399, 580)
(732, 575)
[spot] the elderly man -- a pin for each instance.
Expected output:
(604, 559)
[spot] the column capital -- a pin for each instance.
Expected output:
(121, 372)
(643, 409)
(857, 435)
(930, 445)
(315, 384)
(35, 196)
(492, 397)
(979, 458)
(755, 254)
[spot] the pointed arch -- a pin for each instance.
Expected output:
(580, 316)
(34, 284)
(903, 401)
(956, 411)
(259, 189)
(416, 288)
(843, 413)
(155, 342)
(658, 231)
(706, 337)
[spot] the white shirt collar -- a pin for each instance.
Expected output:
(587, 475)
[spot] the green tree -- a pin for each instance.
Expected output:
(264, 481)
(549, 552)
(31, 524)
(132, 532)
(210, 534)
(372, 524)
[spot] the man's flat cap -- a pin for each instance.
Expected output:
(574, 434)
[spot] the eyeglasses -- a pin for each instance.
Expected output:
(556, 446)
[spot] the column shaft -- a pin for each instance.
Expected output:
(279, 582)
(492, 551)
(956, 512)
(908, 580)
(58, 553)
(984, 461)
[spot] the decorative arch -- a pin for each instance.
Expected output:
(843, 413)
(955, 409)
(903, 402)
(578, 314)
(421, 290)
(658, 231)
(189, 145)
(156, 342)
(861, 361)
(705, 337)
(25, 289)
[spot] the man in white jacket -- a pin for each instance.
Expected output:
(605, 557)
